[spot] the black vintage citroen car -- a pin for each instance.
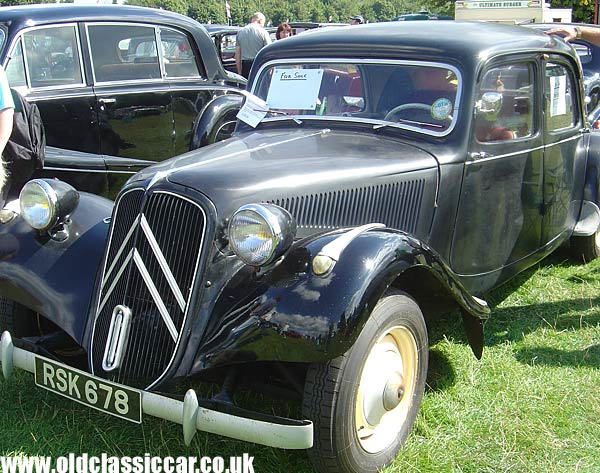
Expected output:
(112, 102)
(379, 177)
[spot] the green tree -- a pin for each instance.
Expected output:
(206, 11)
(179, 6)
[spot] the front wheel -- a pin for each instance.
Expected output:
(364, 403)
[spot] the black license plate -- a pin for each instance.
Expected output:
(98, 393)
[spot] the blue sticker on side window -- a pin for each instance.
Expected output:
(441, 109)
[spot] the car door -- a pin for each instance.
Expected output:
(133, 99)
(190, 88)
(499, 220)
(564, 153)
(46, 65)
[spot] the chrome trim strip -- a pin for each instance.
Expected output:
(114, 283)
(160, 52)
(75, 95)
(335, 248)
(164, 313)
(103, 171)
(163, 263)
(117, 338)
(516, 153)
(121, 248)
(130, 81)
(457, 102)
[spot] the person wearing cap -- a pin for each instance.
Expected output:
(569, 33)
(357, 20)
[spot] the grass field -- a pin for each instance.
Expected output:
(532, 404)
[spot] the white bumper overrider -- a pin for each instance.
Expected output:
(295, 435)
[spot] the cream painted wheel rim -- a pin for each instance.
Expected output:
(386, 389)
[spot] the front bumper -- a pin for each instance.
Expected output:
(272, 431)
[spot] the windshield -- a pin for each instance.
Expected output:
(417, 95)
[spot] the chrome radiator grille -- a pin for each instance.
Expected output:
(152, 260)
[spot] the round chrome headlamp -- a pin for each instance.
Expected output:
(261, 233)
(44, 202)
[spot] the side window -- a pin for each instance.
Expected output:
(560, 96)
(15, 71)
(52, 57)
(505, 103)
(228, 45)
(123, 52)
(178, 56)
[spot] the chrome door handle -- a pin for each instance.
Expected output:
(106, 100)
(475, 156)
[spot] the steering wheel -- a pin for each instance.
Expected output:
(62, 67)
(406, 106)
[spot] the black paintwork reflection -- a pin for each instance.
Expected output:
(137, 124)
(52, 278)
(289, 314)
(70, 119)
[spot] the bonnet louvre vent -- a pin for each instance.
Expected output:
(397, 205)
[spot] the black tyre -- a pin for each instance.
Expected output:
(586, 248)
(364, 403)
(16, 318)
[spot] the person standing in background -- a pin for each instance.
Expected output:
(250, 40)
(7, 107)
(283, 31)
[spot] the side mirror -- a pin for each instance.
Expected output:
(490, 104)
(357, 102)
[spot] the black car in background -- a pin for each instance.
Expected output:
(225, 39)
(111, 100)
(379, 179)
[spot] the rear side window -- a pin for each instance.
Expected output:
(178, 56)
(560, 96)
(50, 56)
(123, 52)
(505, 103)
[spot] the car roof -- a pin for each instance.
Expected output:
(218, 29)
(31, 15)
(463, 41)
(313, 24)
